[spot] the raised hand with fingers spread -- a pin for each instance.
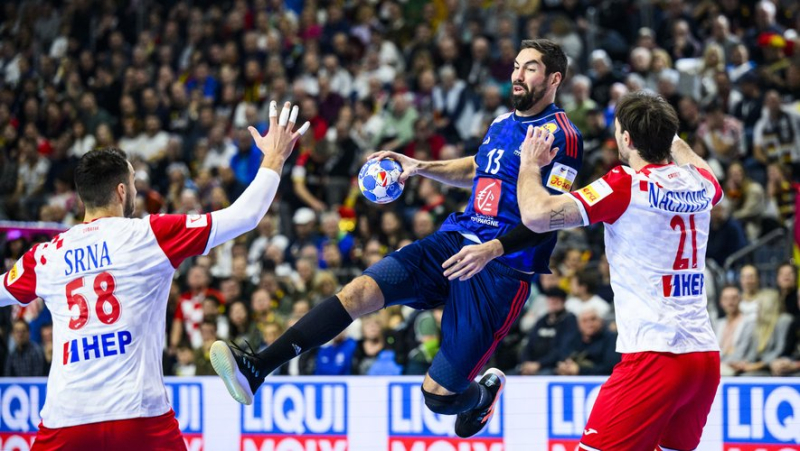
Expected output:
(279, 141)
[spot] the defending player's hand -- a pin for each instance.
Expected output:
(538, 147)
(410, 165)
(279, 141)
(470, 260)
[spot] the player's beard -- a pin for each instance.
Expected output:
(524, 102)
(130, 204)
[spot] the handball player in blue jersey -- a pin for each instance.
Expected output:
(478, 265)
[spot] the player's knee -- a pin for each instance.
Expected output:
(361, 296)
(442, 404)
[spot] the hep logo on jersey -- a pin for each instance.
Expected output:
(296, 417)
(761, 417)
(412, 427)
(21, 404)
(96, 346)
(568, 408)
(187, 402)
(680, 285)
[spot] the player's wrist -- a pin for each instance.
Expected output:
(274, 162)
(496, 248)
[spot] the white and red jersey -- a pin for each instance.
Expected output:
(656, 231)
(106, 284)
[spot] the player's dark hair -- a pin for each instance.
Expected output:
(651, 122)
(98, 174)
(553, 57)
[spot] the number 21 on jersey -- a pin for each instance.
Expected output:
(677, 223)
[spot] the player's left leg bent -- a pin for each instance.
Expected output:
(477, 316)
(685, 428)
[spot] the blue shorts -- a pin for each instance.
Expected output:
(477, 313)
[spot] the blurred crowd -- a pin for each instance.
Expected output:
(175, 84)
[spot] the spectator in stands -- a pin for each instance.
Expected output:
(242, 327)
(370, 345)
(752, 293)
(780, 194)
(557, 328)
(748, 199)
(189, 313)
(726, 235)
(583, 294)
(427, 332)
(789, 362)
(202, 361)
(734, 331)
(592, 351)
(776, 136)
(398, 127)
(770, 333)
(46, 333)
(722, 134)
(786, 282)
(581, 104)
(185, 362)
(26, 359)
(336, 357)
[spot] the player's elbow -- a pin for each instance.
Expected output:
(535, 220)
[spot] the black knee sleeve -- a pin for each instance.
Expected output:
(453, 404)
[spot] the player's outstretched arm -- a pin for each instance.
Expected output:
(541, 211)
(245, 214)
(683, 154)
(458, 172)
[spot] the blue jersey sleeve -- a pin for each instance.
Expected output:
(560, 175)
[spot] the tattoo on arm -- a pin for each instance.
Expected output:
(565, 215)
(557, 218)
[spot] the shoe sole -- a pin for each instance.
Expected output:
(225, 365)
(502, 376)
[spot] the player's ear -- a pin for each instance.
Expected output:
(626, 138)
(121, 192)
(556, 81)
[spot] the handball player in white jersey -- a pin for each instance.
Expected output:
(656, 213)
(106, 282)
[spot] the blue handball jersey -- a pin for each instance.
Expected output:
(493, 209)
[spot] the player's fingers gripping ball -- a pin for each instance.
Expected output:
(379, 180)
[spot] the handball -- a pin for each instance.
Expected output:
(378, 180)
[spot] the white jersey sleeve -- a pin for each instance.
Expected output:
(656, 231)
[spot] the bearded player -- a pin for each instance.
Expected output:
(106, 282)
(479, 305)
(656, 214)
